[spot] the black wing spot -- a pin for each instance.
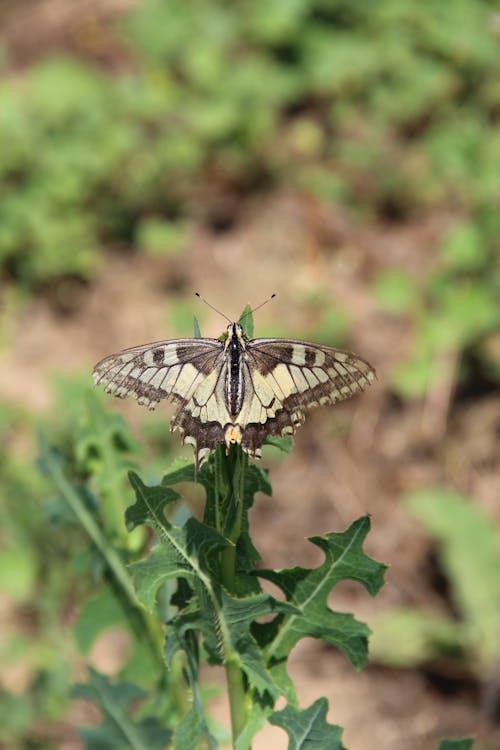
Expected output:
(158, 356)
(310, 357)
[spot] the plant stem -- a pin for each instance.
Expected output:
(237, 699)
(113, 560)
(235, 465)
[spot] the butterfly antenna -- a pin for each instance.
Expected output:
(258, 307)
(212, 307)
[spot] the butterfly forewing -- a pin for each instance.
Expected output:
(306, 373)
(272, 381)
(161, 370)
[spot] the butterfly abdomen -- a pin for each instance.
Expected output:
(235, 385)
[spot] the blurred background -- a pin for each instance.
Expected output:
(343, 155)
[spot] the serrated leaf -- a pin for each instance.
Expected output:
(118, 730)
(225, 623)
(308, 588)
(237, 617)
(307, 728)
(256, 480)
(182, 554)
(149, 505)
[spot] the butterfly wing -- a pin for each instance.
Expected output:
(286, 377)
(282, 379)
(189, 372)
(161, 370)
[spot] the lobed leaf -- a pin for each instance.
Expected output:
(149, 505)
(307, 728)
(184, 553)
(119, 730)
(308, 589)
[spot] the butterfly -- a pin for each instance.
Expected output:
(234, 389)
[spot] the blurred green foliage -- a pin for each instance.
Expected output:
(468, 544)
(53, 568)
(388, 108)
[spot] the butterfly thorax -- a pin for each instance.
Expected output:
(235, 383)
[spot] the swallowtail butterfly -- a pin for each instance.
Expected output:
(234, 389)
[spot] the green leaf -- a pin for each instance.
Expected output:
(413, 378)
(466, 743)
(284, 444)
(96, 614)
(104, 440)
(51, 463)
(225, 622)
(256, 480)
(246, 321)
(395, 290)
(150, 504)
(181, 471)
(183, 553)
(407, 637)
(118, 730)
(161, 238)
(308, 589)
(308, 729)
(18, 572)
(463, 248)
(196, 328)
(257, 716)
(237, 617)
(470, 553)
(192, 728)
(102, 448)
(190, 731)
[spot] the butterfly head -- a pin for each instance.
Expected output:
(234, 335)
